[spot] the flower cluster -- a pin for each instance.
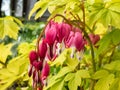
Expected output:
(58, 36)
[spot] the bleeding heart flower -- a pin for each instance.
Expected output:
(50, 33)
(78, 41)
(30, 71)
(75, 29)
(38, 65)
(45, 71)
(70, 39)
(63, 31)
(42, 50)
(33, 56)
(94, 38)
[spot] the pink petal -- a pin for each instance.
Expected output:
(33, 56)
(50, 33)
(38, 65)
(45, 71)
(70, 39)
(42, 50)
(78, 41)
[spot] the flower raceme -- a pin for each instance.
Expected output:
(58, 36)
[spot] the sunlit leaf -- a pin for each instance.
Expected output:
(9, 26)
(115, 65)
(83, 73)
(58, 86)
(5, 50)
(115, 85)
(41, 7)
(69, 76)
(100, 29)
(104, 43)
(25, 48)
(7, 83)
(52, 81)
(71, 62)
(60, 59)
(104, 83)
(100, 74)
(105, 13)
(115, 36)
(14, 65)
(74, 82)
(63, 71)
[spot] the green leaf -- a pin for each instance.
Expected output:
(63, 71)
(115, 36)
(83, 73)
(4, 74)
(23, 68)
(71, 62)
(60, 59)
(104, 83)
(115, 66)
(17, 21)
(52, 81)
(58, 86)
(69, 76)
(58, 10)
(5, 50)
(98, 1)
(74, 82)
(9, 26)
(105, 13)
(116, 56)
(41, 7)
(115, 85)
(4, 84)
(100, 74)
(59, 2)
(104, 43)
(14, 65)
(25, 48)
(115, 7)
(41, 11)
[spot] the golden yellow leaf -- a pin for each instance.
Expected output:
(5, 50)
(9, 26)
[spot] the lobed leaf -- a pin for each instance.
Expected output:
(104, 83)
(9, 26)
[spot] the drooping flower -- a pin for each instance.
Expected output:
(45, 72)
(78, 41)
(42, 50)
(30, 70)
(63, 31)
(70, 39)
(33, 56)
(38, 65)
(94, 38)
(51, 33)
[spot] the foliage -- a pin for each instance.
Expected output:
(9, 26)
(14, 60)
(97, 67)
